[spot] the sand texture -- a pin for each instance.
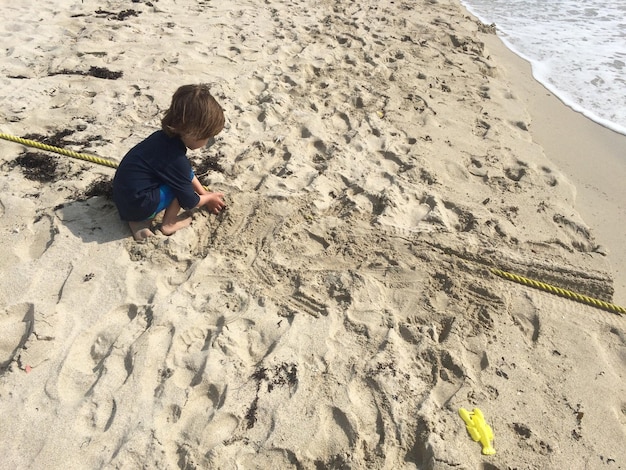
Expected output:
(376, 164)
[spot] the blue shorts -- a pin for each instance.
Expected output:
(166, 196)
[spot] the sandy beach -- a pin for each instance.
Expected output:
(591, 156)
(379, 161)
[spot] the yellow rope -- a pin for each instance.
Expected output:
(558, 291)
(69, 153)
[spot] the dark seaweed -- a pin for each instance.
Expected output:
(37, 166)
(97, 72)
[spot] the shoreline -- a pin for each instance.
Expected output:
(568, 138)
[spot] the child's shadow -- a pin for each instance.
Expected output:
(93, 220)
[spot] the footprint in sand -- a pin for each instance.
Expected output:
(449, 376)
(212, 433)
(580, 236)
(35, 240)
(269, 458)
(459, 218)
(408, 214)
(203, 436)
(100, 353)
(16, 323)
(516, 173)
(549, 178)
(190, 356)
(367, 427)
(335, 430)
(43, 238)
(526, 317)
(341, 122)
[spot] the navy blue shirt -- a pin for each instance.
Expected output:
(156, 161)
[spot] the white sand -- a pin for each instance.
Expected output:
(376, 163)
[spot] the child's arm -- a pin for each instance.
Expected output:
(197, 186)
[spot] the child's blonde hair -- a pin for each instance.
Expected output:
(194, 113)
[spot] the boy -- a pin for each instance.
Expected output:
(156, 174)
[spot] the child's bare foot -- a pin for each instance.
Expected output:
(181, 222)
(141, 230)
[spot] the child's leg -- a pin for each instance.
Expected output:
(171, 221)
(141, 230)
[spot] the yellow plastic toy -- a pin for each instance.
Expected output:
(478, 429)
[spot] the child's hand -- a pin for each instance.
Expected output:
(214, 202)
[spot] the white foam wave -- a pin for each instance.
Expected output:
(577, 51)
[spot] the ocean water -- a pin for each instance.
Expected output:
(577, 49)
